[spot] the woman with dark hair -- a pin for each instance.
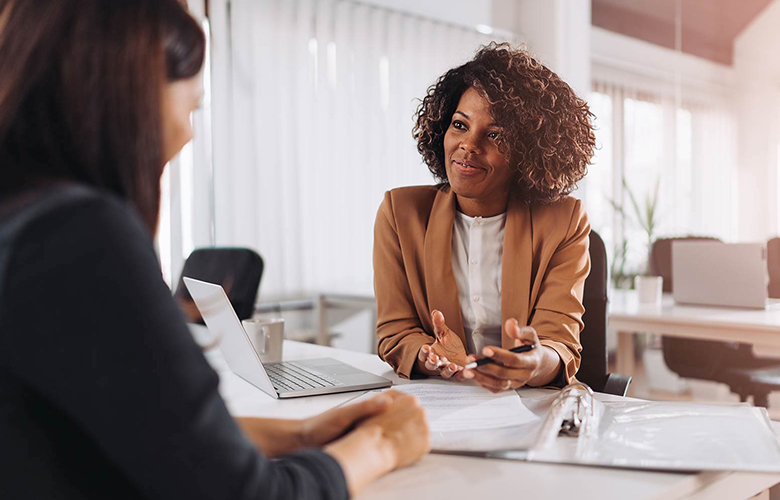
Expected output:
(103, 392)
(496, 255)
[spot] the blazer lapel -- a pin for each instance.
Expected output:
(439, 277)
(516, 267)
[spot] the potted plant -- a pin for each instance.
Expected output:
(645, 215)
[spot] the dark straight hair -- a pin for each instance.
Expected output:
(81, 89)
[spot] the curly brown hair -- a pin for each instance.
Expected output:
(546, 134)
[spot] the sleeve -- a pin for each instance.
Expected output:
(557, 316)
(398, 329)
(104, 342)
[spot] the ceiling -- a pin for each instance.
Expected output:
(709, 27)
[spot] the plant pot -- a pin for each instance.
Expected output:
(649, 289)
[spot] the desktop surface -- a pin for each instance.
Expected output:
(447, 476)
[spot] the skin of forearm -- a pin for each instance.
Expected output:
(549, 368)
(364, 456)
(273, 436)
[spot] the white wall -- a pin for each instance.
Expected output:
(758, 65)
(653, 68)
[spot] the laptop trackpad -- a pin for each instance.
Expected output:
(329, 366)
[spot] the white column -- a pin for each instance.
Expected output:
(556, 31)
(202, 217)
(758, 67)
(222, 127)
(759, 108)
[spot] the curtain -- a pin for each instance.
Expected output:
(313, 112)
(681, 146)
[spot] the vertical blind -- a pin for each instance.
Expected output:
(313, 112)
(687, 145)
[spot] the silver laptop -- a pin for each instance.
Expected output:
(289, 379)
(721, 274)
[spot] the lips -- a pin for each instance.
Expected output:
(468, 168)
(468, 164)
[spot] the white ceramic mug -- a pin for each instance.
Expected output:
(649, 289)
(267, 335)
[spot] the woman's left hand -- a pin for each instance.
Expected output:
(514, 370)
(321, 429)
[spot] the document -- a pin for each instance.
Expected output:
(465, 417)
(454, 407)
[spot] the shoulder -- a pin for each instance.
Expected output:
(412, 202)
(564, 213)
(412, 196)
(71, 221)
(561, 220)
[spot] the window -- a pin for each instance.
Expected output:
(659, 162)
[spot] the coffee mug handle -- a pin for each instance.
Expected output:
(266, 340)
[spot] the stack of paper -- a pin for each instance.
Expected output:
(466, 417)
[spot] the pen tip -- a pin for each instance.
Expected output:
(470, 366)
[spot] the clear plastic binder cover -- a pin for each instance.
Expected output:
(681, 436)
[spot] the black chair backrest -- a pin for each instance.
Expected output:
(238, 270)
(593, 367)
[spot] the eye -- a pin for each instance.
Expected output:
(457, 124)
(493, 135)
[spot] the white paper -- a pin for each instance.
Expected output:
(454, 407)
(466, 417)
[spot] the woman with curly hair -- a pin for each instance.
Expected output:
(498, 241)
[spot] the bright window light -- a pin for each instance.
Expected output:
(485, 29)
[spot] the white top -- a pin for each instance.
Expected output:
(477, 248)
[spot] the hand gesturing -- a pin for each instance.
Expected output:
(447, 355)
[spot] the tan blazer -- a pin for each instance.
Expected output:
(545, 263)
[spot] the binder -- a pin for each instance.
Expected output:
(670, 436)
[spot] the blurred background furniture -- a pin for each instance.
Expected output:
(594, 366)
(315, 317)
(761, 376)
(731, 363)
(237, 270)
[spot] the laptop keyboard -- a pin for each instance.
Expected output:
(290, 376)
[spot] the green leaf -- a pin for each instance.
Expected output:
(635, 204)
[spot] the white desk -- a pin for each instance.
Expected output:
(323, 306)
(454, 477)
(627, 316)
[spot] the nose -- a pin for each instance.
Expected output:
(470, 144)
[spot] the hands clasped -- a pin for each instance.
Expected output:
(447, 357)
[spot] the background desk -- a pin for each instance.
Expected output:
(454, 477)
(327, 310)
(627, 316)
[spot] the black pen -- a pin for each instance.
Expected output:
(484, 361)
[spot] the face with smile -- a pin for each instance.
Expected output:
(478, 172)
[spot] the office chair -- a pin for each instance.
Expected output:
(762, 376)
(238, 270)
(773, 266)
(730, 363)
(594, 364)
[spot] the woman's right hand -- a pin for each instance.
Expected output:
(395, 438)
(447, 355)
